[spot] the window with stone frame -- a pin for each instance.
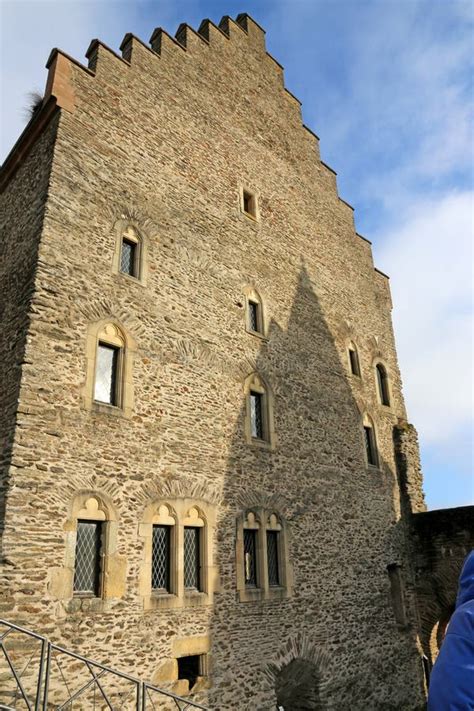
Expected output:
(109, 368)
(249, 203)
(254, 312)
(354, 364)
(382, 384)
(130, 253)
(87, 568)
(259, 411)
(161, 558)
(192, 558)
(263, 569)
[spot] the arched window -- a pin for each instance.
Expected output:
(109, 384)
(178, 556)
(254, 312)
(382, 384)
(370, 442)
(89, 551)
(354, 365)
(259, 413)
(263, 569)
(130, 253)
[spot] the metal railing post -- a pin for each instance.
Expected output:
(46, 676)
(44, 645)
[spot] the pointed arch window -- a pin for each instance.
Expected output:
(259, 414)
(90, 550)
(382, 384)
(254, 312)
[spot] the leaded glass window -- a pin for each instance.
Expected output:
(272, 558)
(382, 384)
(87, 561)
(354, 361)
(160, 558)
(192, 557)
(250, 557)
(253, 311)
(106, 374)
(370, 445)
(128, 257)
(256, 415)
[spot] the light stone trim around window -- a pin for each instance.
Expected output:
(92, 506)
(110, 332)
(261, 521)
(367, 421)
(183, 512)
(256, 383)
(254, 212)
(123, 228)
(352, 346)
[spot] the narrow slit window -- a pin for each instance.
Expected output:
(250, 557)
(128, 258)
(105, 389)
(354, 361)
(249, 203)
(256, 415)
(87, 566)
(370, 445)
(161, 558)
(192, 558)
(272, 558)
(189, 668)
(382, 382)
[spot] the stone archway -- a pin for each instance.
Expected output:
(297, 686)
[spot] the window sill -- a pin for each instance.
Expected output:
(104, 408)
(196, 598)
(261, 443)
(88, 604)
(260, 595)
(131, 279)
(262, 336)
(161, 600)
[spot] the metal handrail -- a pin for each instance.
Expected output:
(44, 674)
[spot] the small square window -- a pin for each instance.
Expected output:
(189, 668)
(249, 203)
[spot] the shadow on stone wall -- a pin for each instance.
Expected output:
(328, 646)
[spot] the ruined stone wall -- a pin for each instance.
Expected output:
(441, 541)
(164, 142)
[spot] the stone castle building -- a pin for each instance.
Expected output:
(208, 475)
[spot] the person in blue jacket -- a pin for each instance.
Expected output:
(452, 677)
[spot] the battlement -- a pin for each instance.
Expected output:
(204, 55)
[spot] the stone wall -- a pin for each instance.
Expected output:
(165, 141)
(441, 541)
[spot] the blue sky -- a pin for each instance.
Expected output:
(388, 87)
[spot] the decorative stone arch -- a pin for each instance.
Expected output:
(127, 228)
(91, 505)
(178, 512)
(110, 332)
(299, 676)
(253, 296)
(255, 383)
(382, 382)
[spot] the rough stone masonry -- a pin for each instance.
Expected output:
(267, 437)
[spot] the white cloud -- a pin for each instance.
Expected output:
(430, 260)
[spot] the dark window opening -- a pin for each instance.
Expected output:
(128, 257)
(192, 557)
(370, 446)
(189, 668)
(354, 361)
(105, 389)
(396, 592)
(382, 381)
(161, 558)
(254, 316)
(249, 203)
(272, 558)
(250, 557)
(87, 566)
(256, 415)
